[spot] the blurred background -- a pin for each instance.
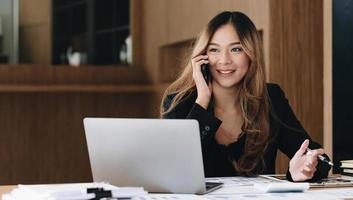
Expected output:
(63, 60)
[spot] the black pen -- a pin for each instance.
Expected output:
(322, 158)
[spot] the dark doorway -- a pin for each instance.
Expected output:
(342, 81)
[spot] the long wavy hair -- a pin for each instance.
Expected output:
(253, 92)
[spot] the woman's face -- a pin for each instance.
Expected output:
(227, 59)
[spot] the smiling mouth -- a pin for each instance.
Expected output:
(225, 72)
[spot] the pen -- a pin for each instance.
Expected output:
(322, 158)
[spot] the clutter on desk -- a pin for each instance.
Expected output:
(77, 191)
(347, 167)
(282, 187)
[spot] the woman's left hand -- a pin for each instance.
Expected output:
(303, 166)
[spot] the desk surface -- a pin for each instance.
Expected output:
(242, 192)
(9, 188)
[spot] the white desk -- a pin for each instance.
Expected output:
(243, 189)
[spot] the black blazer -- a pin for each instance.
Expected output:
(286, 132)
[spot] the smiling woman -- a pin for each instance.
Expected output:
(243, 121)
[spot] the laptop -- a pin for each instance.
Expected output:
(161, 155)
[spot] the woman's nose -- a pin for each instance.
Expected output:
(224, 58)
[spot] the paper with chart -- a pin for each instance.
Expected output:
(239, 185)
(327, 194)
(241, 188)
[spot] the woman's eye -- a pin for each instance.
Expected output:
(213, 50)
(236, 49)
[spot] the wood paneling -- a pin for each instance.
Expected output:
(328, 123)
(186, 18)
(42, 108)
(35, 32)
(296, 60)
(41, 74)
(86, 88)
(171, 57)
(135, 31)
(32, 49)
(42, 138)
(35, 12)
(154, 29)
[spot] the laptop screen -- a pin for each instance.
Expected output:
(161, 155)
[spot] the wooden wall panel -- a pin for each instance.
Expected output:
(35, 44)
(186, 18)
(154, 29)
(42, 138)
(296, 59)
(169, 66)
(328, 123)
(35, 12)
(35, 32)
(64, 75)
(135, 31)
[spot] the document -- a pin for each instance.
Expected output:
(171, 197)
(239, 185)
(327, 194)
(72, 191)
(242, 181)
(242, 188)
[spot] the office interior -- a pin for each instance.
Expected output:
(63, 60)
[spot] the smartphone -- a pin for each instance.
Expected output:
(206, 72)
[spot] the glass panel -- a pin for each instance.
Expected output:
(103, 49)
(122, 12)
(103, 14)
(97, 28)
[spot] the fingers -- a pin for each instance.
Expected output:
(303, 175)
(199, 60)
(310, 165)
(204, 91)
(312, 155)
(303, 164)
(308, 174)
(309, 168)
(199, 57)
(303, 148)
(196, 65)
(317, 152)
(311, 162)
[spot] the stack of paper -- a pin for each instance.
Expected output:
(72, 191)
(347, 167)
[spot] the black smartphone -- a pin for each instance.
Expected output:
(206, 72)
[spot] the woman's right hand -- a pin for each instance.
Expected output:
(204, 91)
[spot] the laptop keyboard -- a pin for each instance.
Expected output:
(210, 186)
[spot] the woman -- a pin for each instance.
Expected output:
(243, 121)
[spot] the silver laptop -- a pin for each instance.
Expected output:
(161, 155)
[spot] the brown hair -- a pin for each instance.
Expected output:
(253, 92)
